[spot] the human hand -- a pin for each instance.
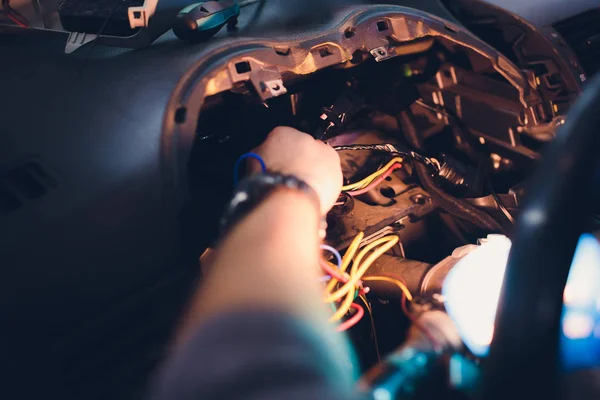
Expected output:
(291, 152)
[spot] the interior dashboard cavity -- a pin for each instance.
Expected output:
(507, 104)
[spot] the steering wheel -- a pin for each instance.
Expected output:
(523, 362)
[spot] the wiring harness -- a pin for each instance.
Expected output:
(348, 277)
(371, 181)
(344, 280)
(395, 150)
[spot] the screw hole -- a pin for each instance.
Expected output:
(387, 192)
(388, 178)
(419, 199)
(349, 33)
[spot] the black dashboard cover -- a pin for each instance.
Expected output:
(93, 279)
(90, 16)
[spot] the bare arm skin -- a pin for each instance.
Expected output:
(270, 260)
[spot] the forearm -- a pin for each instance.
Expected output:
(258, 319)
(269, 261)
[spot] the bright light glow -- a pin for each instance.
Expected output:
(577, 325)
(472, 288)
(534, 216)
(382, 394)
(582, 290)
(580, 347)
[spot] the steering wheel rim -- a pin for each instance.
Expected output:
(523, 362)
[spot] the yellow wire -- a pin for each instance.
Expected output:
(368, 248)
(364, 300)
(345, 263)
(366, 181)
(343, 308)
(346, 259)
(347, 303)
(359, 269)
(401, 285)
(389, 242)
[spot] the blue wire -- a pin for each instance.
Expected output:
(335, 253)
(236, 168)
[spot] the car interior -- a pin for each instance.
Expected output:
(469, 219)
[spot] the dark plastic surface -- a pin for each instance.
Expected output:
(92, 274)
(523, 360)
(89, 16)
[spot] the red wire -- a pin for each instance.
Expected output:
(333, 272)
(14, 19)
(14, 15)
(349, 323)
(377, 181)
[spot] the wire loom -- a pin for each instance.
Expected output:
(351, 284)
(395, 150)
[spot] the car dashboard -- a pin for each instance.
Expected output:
(115, 164)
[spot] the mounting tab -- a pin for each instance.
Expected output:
(139, 17)
(267, 81)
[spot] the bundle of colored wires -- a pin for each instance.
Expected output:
(371, 181)
(431, 163)
(376, 182)
(334, 271)
(14, 15)
(351, 285)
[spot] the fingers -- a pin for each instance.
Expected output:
(289, 151)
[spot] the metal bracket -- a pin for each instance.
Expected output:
(139, 17)
(383, 53)
(267, 82)
(78, 39)
(271, 88)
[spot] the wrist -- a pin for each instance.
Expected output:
(255, 190)
(268, 260)
(281, 232)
